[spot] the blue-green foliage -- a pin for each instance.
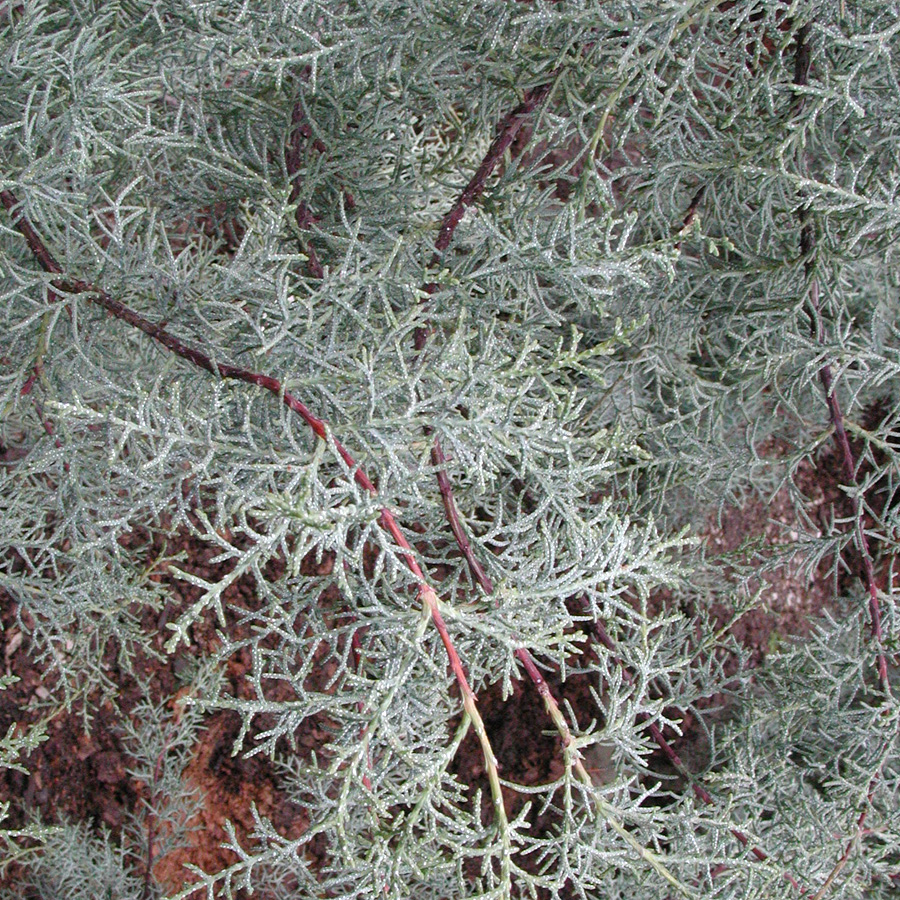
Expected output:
(622, 327)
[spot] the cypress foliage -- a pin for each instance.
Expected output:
(478, 310)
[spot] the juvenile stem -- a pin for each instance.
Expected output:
(506, 134)
(304, 218)
(456, 526)
(845, 856)
(605, 810)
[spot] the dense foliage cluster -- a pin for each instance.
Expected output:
(449, 325)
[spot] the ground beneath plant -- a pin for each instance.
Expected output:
(84, 775)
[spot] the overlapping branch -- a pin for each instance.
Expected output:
(506, 133)
(387, 520)
(476, 185)
(866, 571)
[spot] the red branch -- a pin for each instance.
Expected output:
(41, 253)
(845, 856)
(506, 134)
(866, 574)
(426, 593)
(508, 129)
(302, 131)
(203, 361)
(462, 540)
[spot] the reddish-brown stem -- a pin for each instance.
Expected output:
(574, 758)
(848, 464)
(305, 218)
(462, 540)
(425, 593)
(225, 370)
(301, 131)
(802, 62)
(51, 431)
(602, 637)
(179, 348)
(845, 856)
(35, 244)
(691, 214)
(506, 134)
